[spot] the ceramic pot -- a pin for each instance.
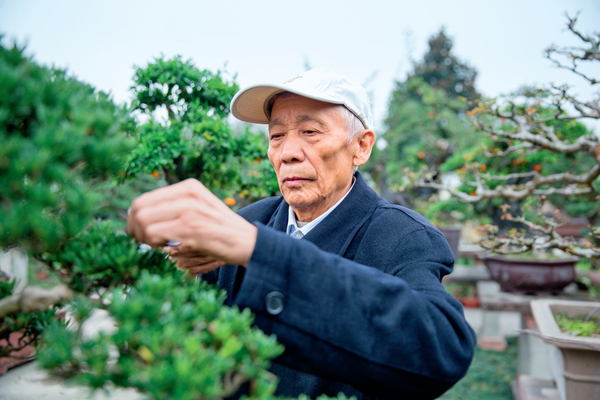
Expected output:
(531, 276)
(580, 376)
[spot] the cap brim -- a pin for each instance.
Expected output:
(249, 104)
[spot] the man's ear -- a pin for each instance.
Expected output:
(365, 143)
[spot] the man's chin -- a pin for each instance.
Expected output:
(297, 200)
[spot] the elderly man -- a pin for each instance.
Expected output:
(349, 283)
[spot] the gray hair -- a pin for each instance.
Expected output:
(353, 125)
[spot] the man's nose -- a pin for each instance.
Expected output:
(291, 150)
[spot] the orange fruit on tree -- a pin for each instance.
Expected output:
(537, 167)
(483, 167)
(230, 201)
(155, 174)
(430, 114)
(421, 155)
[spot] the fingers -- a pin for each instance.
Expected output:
(198, 265)
(159, 233)
(187, 189)
(183, 251)
(160, 212)
(205, 268)
(190, 214)
(182, 201)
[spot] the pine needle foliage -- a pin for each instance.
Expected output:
(59, 139)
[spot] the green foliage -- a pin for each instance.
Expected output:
(448, 213)
(489, 376)
(119, 196)
(6, 288)
(425, 127)
(196, 142)
(576, 325)
(175, 339)
(177, 85)
(207, 150)
(100, 257)
(59, 139)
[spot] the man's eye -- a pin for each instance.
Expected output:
(276, 136)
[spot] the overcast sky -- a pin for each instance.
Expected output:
(267, 40)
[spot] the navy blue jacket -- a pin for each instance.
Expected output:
(358, 304)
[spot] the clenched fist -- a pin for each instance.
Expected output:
(189, 213)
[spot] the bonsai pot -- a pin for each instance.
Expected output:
(531, 276)
(580, 378)
(452, 235)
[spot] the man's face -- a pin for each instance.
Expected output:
(308, 147)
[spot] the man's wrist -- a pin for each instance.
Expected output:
(247, 243)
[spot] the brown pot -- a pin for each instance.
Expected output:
(530, 276)
(580, 377)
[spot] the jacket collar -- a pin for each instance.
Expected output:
(337, 230)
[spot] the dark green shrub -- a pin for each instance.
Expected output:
(59, 139)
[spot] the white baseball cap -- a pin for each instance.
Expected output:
(251, 104)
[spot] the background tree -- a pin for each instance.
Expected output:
(443, 71)
(426, 124)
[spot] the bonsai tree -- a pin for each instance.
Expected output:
(60, 140)
(536, 152)
(60, 143)
(195, 141)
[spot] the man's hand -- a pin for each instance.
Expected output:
(195, 262)
(189, 213)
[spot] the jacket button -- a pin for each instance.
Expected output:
(274, 303)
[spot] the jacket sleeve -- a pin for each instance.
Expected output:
(385, 334)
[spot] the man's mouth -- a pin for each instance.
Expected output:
(294, 181)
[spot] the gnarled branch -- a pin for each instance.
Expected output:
(34, 298)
